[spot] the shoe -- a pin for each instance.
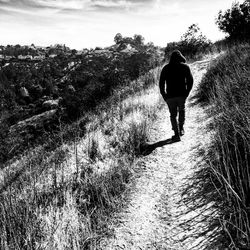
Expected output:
(175, 138)
(182, 132)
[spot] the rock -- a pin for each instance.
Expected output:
(25, 96)
(70, 88)
(34, 123)
(52, 104)
(24, 92)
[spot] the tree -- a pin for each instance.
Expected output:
(138, 40)
(118, 38)
(73, 51)
(193, 41)
(191, 44)
(194, 37)
(235, 21)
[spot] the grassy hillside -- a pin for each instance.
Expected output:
(225, 179)
(63, 199)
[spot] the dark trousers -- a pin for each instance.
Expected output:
(176, 106)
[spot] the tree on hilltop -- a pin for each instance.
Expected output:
(193, 40)
(235, 21)
(136, 41)
(191, 43)
(118, 38)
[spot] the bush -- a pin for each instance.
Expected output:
(134, 138)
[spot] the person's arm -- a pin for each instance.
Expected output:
(162, 83)
(190, 80)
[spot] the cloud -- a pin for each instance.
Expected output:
(18, 4)
(64, 4)
(81, 23)
(74, 5)
(105, 5)
(31, 5)
(25, 7)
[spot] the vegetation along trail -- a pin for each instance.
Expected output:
(156, 216)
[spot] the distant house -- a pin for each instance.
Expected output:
(101, 51)
(40, 57)
(21, 57)
(29, 57)
(129, 49)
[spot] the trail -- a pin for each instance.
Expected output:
(155, 216)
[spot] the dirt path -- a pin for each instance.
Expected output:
(155, 215)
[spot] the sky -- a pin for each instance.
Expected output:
(89, 23)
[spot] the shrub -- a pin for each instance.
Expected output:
(134, 138)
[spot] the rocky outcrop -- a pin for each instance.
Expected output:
(35, 123)
(52, 104)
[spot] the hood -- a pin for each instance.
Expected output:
(177, 57)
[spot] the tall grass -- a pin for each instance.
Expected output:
(226, 174)
(64, 199)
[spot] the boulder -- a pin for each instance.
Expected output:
(51, 104)
(25, 96)
(34, 123)
(24, 92)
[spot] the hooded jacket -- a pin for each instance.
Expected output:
(176, 79)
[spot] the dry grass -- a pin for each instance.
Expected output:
(224, 180)
(64, 199)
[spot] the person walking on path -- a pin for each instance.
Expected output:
(176, 82)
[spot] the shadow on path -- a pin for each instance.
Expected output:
(149, 148)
